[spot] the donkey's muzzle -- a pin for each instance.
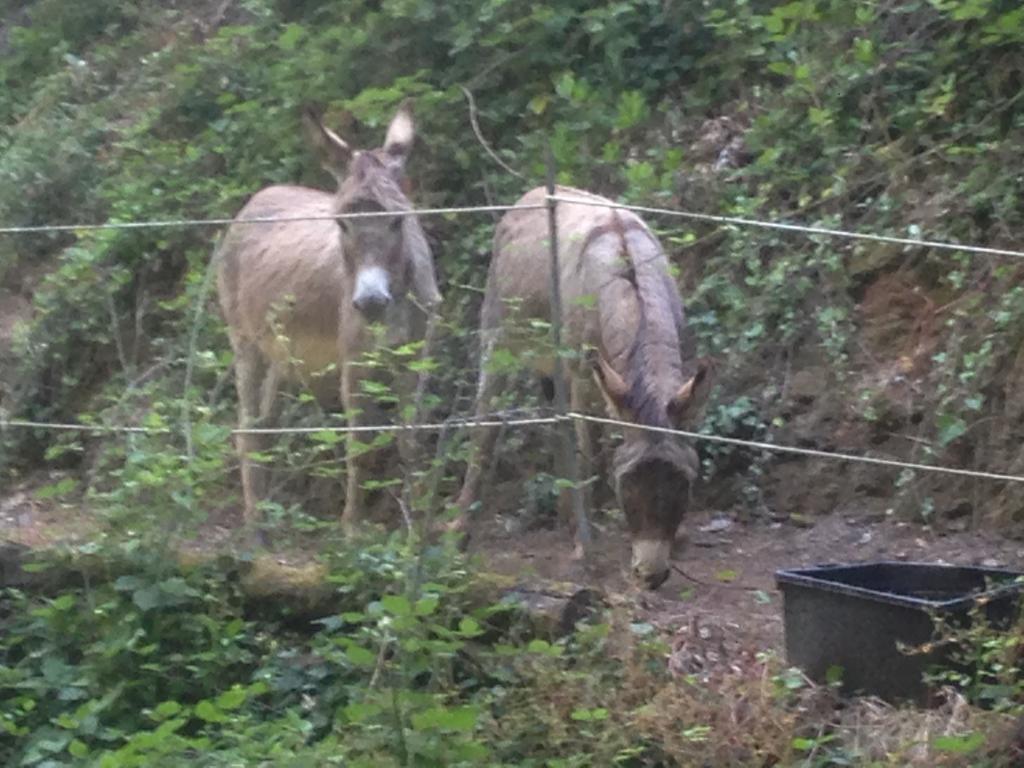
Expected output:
(371, 295)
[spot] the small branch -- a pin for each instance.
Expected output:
(423, 380)
(141, 304)
(403, 505)
(150, 372)
(197, 316)
(115, 329)
(718, 585)
(219, 385)
(396, 711)
(381, 657)
(480, 137)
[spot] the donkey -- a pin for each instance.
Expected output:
(622, 310)
(299, 297)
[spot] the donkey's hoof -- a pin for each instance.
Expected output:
(459, 527)
(456, 525)
(254, 537)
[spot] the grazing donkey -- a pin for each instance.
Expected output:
(299, 296)
(622, 310)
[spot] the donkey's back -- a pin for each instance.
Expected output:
(593, 278)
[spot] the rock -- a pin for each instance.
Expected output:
(717, 525)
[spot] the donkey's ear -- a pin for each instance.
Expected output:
(611, 384)
(684, 408)
(401, 132)
(334, 152)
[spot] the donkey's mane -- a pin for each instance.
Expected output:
(371, 182)
(654, 362)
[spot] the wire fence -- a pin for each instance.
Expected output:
(510, 419)
(691, 215)
(489, 420)
(500, 420)
(173, 223)
(801, 228)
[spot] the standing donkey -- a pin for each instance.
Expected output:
(622, 310)
(299, 296)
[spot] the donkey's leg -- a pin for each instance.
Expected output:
(250, 371)
(482, 439)
(269, 414)
(358, 458)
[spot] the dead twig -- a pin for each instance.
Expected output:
(115, 331)
(710, 585)
(379, 666)
(482, 140)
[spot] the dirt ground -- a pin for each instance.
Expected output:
(723, 579)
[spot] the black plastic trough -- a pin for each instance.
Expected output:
(853, 616)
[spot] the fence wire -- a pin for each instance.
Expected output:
(500, 419)
(692, 215)
(506, 419)
(792, 449)
(803, 228)
(170, 223)
(496, 420)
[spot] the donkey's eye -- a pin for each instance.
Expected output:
(396, 224)
(345, 226)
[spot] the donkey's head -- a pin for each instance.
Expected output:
(653, 472)
(382, 253)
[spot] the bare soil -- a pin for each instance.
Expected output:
(724, 580)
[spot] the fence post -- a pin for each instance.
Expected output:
(566, 455)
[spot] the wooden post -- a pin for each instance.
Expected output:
(566, 455)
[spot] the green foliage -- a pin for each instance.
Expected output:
(161, 663)
(985, 659)
(902, 118)
(152, 663)
(853, 117)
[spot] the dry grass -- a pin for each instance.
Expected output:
(716, 702)
(881, 733)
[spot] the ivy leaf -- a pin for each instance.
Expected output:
(208, 711)
(425, 606)
(396, 605)
(166, 709)
(461, 719)
(950, 428)
(469, 627)
(360, 656)
(834, 675)
(357, 712)
(539, 103)
(291, 36)
(148, 598)
(78, 749)
(232, 699)
(585, 715)
(959, 745)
